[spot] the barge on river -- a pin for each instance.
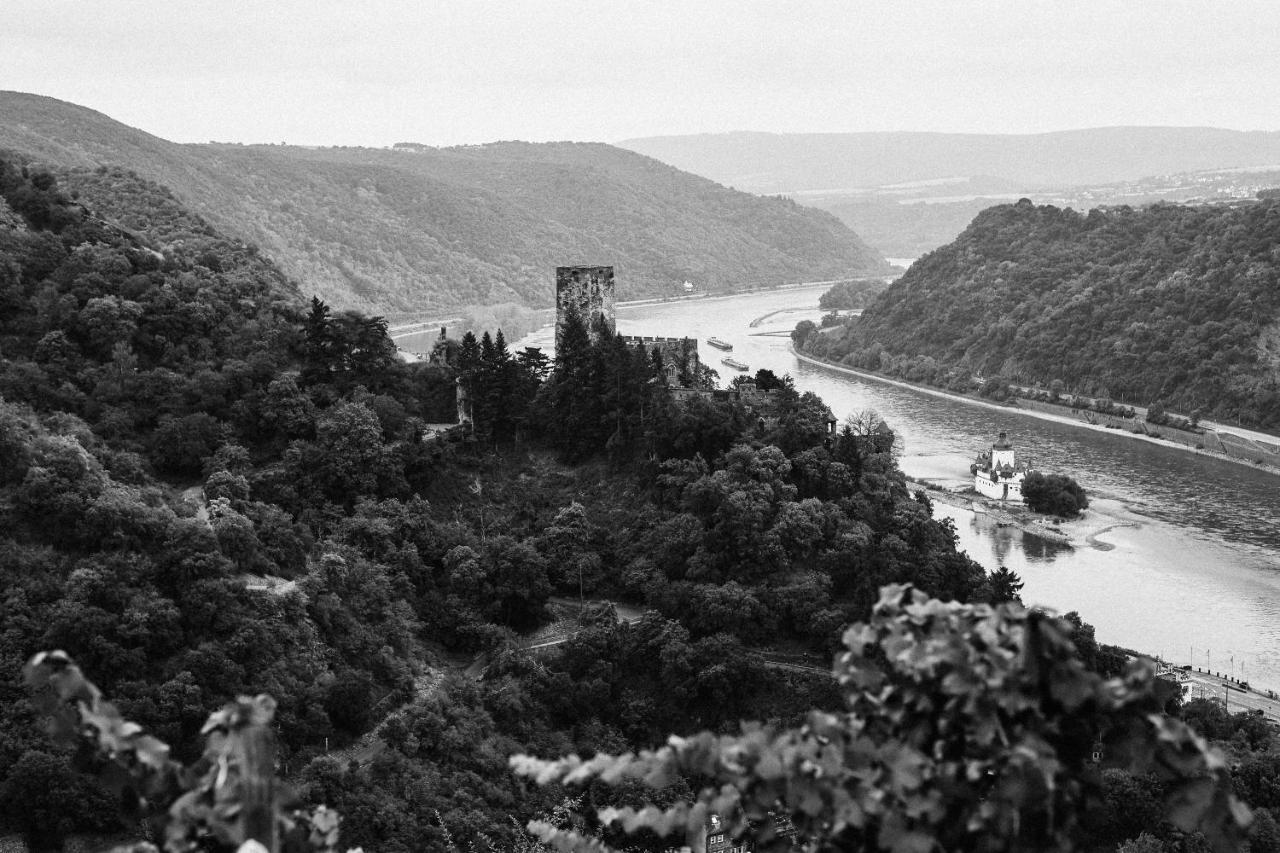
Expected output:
(734, 363)
(719, 344)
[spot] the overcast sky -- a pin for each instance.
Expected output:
(384, 71)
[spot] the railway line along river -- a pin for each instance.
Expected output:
(1183, 554)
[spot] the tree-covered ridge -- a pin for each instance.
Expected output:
(207, 490)
(417, 228)
(1171, 304)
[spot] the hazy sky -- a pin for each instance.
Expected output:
(384, 71)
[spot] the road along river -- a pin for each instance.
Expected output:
(1184, 557)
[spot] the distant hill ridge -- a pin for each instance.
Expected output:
(418, 229)
(793, 162)
(1173, 304)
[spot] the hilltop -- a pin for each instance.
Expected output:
(415, 228)
(833, 162)
(1170, 304)
(909, 193)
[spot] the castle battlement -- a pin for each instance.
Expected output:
(645, 339)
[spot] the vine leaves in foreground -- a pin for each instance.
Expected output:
(966, 727)
(229, 800)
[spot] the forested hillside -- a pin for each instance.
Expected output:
(1170, 304)
(417, 229)
(209, 489)
(206, 490)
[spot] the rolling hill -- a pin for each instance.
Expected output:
(418, 229)
(843, 162)
(1172, 304)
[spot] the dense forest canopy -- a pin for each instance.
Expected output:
(1172, 304)
(211, 488)
(420, 229)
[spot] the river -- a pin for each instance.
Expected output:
(1192, 565)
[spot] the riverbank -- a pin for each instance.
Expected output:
(711, 297)
(1031, 413)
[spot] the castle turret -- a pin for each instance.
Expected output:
(1002, 452)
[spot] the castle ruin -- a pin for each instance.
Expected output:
(589, 293)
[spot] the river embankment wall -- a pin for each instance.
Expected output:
(1228, 444)
(1206, 440)
(1225, 446)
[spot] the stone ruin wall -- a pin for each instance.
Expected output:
(675, 351)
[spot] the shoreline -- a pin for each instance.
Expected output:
(712, 297)
(1032, 413)
(1103, 515)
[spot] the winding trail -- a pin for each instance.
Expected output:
(371, 744)
(195, 495)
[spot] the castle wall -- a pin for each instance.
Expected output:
(678, 353)
(996, 489)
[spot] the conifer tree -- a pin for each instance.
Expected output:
(317, 343)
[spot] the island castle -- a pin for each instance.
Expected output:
(997, 474)
(588, 292)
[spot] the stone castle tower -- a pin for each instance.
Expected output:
(587, 292)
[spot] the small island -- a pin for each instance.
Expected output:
(1000, 476)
